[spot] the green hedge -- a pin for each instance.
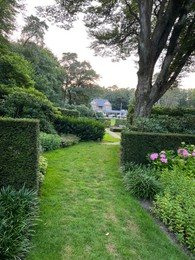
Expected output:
(169, 111)
(69, 112)
(135, 146)
(19, 148)
(85, 129)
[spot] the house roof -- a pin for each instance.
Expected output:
(100, 102)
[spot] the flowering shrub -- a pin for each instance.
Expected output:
(183, 158)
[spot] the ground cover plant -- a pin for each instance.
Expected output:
(18, 215)
(175, 204)
(85, 213)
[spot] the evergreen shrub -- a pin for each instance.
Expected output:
(69, 112)
(85, 129)
(19, 149)
(135, 146)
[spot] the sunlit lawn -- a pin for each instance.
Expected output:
(85, 213)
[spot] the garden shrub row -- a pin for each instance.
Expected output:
(19, 149)
(51, 142)
(85, 129)
(169, 111)
(135, 146)
(69, 112)
(164, 124)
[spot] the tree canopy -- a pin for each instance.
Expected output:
(79, 76)
(161, 32)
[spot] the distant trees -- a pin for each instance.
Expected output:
(8, 11)
(120, 98)
(47, 72)
(79, 77)
(160, 32)
(34, 30)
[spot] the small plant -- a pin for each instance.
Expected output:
(18, 213)
(141, 181)
(43, 163)
(49, 141)
(175, 205)
(67, 140)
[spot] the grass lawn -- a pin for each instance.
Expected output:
(110, 139)
(85, 213)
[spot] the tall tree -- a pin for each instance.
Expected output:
(8, 11)
(79, 76)
(161, 31)
(47, 74)
(34, 30)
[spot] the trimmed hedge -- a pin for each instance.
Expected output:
(85, 129)
(135, 146)
(19, 149)
(69, 112)
(169, 111)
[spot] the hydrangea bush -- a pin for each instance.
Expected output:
(183, 159)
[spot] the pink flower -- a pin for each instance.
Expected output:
(179, 150)
(163, 156)
(153, 156)
(185, 153)
(163, 160)
(193, 154)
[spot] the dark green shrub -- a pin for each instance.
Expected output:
(69, 112)
(83, 110)
(106, 122)
(50, 141)
(135, 146)
(164, 124)
(18, 213)
(116, 129)
(85, 129)
(29, 103)
(19, 149)
(141, 181)
(175, 205)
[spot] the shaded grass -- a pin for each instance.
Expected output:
(85, 213)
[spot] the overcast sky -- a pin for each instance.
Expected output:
(122, 74)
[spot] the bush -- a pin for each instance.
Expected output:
(135, 145)
(164, 124)
(29, 103)
(183, 159)
(67, 140)
(85, 129)
(19, 149)
(50, 141)
(175, 205)
(43, 163)
(141, 181)
(69, 112)
(18, 212)
(83, 110)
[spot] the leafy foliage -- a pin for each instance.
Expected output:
(18, 213)
(85, 129)
(34, 30)
(175, 205)
(29, 103)
(15, 70)
(78, 77)
(141, 181)
(47, 72)
(49, 141)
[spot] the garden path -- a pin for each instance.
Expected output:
(86, 214)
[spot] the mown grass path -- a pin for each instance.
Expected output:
(85, 213)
